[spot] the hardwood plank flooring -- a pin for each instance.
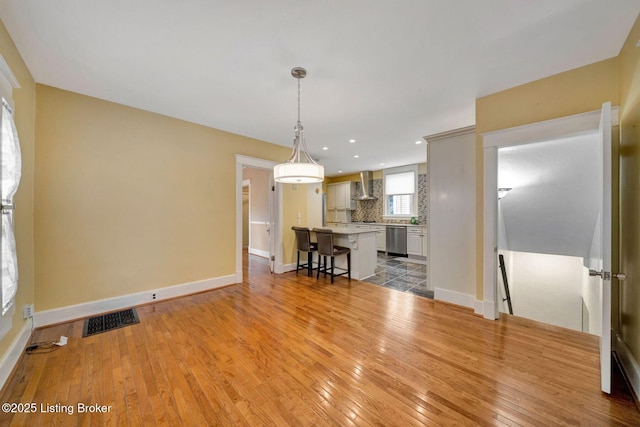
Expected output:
(289, 350)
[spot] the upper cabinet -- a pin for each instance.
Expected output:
(341, 196)
(331, 196)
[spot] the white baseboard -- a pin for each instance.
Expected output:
(629, 364)
(259, 252)
(489, 310)
(453, 297)
(78, 311)
(289, 267)
(478, 307)
(12, 355)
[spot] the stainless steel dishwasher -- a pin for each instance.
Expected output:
(397, 240)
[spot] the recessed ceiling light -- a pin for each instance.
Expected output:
(356, 156)
(325, 148)
(418, 142)
(352, 141)
(381, 164)
(339, 171)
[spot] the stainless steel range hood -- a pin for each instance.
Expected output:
(366, 186)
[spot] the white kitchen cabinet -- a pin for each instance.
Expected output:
(349, 194)
(331, 197)
(415, 239)
(340, 196)
(342, 216)
(381, 237)
(330, 216)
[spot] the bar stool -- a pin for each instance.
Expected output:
(304, 244)
(326, 248)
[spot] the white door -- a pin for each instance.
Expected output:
(602, 267)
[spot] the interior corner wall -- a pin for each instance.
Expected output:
(546, 288)
(576, 91)
(128, 200)
(24, 115)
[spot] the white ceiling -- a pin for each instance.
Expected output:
(382, 72)
(554, 204)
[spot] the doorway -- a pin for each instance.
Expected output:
(258, 222)
(600, 260)
(564, 127)
(548, 230)
(264, 213)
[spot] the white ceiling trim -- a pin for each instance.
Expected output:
(446, 136)
(562, 127)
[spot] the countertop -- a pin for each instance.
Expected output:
(350, 224)
(347, 230)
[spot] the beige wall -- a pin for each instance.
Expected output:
(25, 102)
(577, 91)
(294, 201)
(314, 205)
(630, 190)
(127, 200)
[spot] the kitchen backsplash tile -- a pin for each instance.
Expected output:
(372, 210)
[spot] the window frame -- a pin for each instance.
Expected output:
(414, 204)
(8, 82)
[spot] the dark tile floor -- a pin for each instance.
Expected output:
(402, 274)
(393, 272)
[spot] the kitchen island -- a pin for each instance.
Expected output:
(364, 256)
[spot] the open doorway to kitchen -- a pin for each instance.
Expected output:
(548, 228)
(258, 221)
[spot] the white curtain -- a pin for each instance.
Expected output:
(11, 172)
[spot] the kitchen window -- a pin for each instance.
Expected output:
(400, 189)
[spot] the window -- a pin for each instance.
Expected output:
(11, 170)
(400, 191)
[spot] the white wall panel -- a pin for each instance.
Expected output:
(452, 212)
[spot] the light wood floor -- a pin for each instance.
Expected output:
(287, 350)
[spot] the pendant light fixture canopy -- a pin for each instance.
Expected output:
(300, 168)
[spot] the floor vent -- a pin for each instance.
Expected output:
(109, 321)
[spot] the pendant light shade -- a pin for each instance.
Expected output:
(298, 173)
(300, 168)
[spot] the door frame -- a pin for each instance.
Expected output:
(578, 124)
(276, 219)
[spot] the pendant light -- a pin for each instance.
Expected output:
(300, 168)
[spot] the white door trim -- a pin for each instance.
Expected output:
(254, 162)
(578, 124)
